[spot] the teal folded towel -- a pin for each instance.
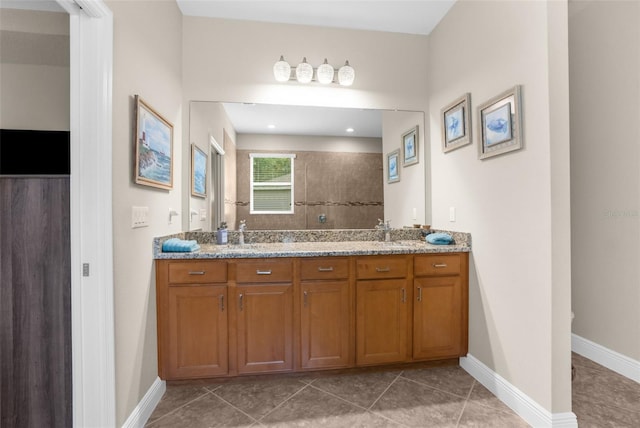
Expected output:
(175, 245)
(439, 238)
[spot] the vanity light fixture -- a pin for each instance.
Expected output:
(282, 70)
(305, 73)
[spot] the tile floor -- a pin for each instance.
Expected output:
(421, 397)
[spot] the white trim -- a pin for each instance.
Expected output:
(528, 409)
(92, 319)
(217, 147)
(621, 364)
(140, 415)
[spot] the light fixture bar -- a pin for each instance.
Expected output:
(305, 73)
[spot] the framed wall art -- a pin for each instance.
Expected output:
(393, 167)
(456, 124)
(154, 147)
(500, 124)
(410, 147)
(198, 172)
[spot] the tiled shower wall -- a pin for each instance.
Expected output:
(345, 187)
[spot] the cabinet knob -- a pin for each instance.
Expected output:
(263, 272)
(305, 298)
(383, 269)
(325, 269)
(200, 272)
(419, 294)
(404, 295)
(240, 298)
(222, 303)
(439, 265)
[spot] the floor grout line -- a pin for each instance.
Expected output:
(281, 404)
(385, 390)
(237, 408)
(433, 387)
(177, 408)
(464, 405)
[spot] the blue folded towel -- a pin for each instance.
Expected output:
(175, 245)
(439, 238)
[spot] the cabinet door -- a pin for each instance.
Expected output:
(198, 341)
(265, 328)
(381, 326)
(437, 329)
(325, 324)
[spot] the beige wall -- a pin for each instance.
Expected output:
(605, 164)
(147, 61)
(403, 199)
(209, 119)
(238, 60)
(344, 186)
(519, 293)
(34, 70)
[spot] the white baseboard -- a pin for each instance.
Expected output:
(612, 360)
(529, 410)
(146, 406)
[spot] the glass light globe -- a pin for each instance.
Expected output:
(325, 73)
(282, 70)
(304, 71)
(346, 74)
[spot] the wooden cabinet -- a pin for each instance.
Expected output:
(325, 315)
(382, 309)
(228, 317)
(192, 318)
(440, 306)
(198, 343)
(264, 299)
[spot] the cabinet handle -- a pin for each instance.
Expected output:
(404, 295)
(383, 269)
(306, 298)
(200, 272)
(263, 272)
(240, 300)
(325, 269)
(439, 265)
(222, 303)
(419, 294)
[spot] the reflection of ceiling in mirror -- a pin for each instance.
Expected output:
(303, 120)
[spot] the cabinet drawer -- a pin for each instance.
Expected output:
(382, 267)
(437, 265)
(324, 268)
(192, 272)
(253, 271)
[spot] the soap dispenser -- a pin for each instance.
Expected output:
(221, 235)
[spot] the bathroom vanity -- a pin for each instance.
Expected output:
(299, 306)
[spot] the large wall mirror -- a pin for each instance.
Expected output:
(292, 167)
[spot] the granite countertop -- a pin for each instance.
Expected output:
(315, 248)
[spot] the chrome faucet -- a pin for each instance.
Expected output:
(386, 226)
(241, 229)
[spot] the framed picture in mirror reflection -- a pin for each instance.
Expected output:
(393, 167)
(410, 147)
(198, 172)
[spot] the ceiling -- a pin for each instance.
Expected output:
(396, 16)
(299, 120)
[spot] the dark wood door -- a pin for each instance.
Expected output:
(35, 303)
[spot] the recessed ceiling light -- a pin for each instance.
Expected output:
(272, 126)
(350, 130)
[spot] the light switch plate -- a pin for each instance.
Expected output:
(452, 213)
(139, 217)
